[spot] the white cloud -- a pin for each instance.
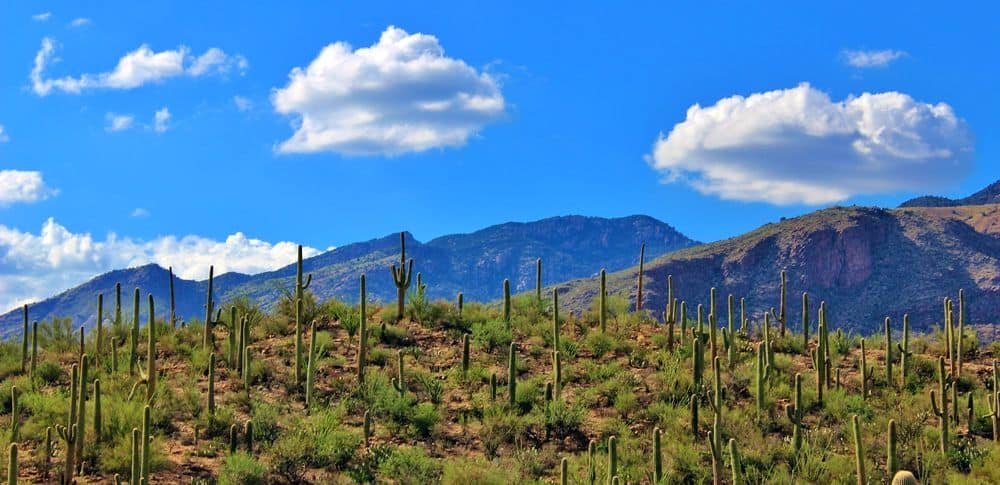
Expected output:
(3, 135)
(79, 22)
(23, 186)
(134, 69)
(35, 266)
(871, 58)
(797, 146)
(118, 122)
(161, 120)
(139, 213)
(242, 104)
(400, 95)
(41, 17)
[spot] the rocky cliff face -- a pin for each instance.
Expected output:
(865, 263)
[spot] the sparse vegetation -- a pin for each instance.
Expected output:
(334, 392)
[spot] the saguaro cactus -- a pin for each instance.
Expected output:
(697, 360)
(761, 372)
(362, 335)
(311, 368)
(206, 339)
(557, 374)
(465, 355)
(904, 350)
(538, 279)
(805, 320)
(888, 354)
(961, 330)
(100, 328)
(34, 350)
(15, 418)
(795, 413)
(734, 462)
(780, 315)
(863, 371)
(820, 356)
(147, 444)
(397, 382)
(401, 276)
(891, 465)
(24, 340)
(859, 452)
(12, 465)
(98, 417)
(512, 376)
(941, 410)
(506, 301)
(603, 318)
(713, 445)
(612, 457)
(657, 456)
(211, 384)
(693, 406)
(638, 288)
(555, 319)
(151, 353)
(173, 305)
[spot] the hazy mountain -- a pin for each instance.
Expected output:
(474, 263)
(989, 195)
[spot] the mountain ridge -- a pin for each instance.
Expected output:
(474, 263)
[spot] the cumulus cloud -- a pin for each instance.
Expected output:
(134, 69)
(23, 186)
(139, 213)
(79, 22)
(871, 58)
(34, 266)
(161, 120)
(3, 135)
(797, 146)
(41, 17)
(401, 94)
(118, 122)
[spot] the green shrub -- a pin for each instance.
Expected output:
(242, 469)
(491, 335)
(410, 465)
(463, 471)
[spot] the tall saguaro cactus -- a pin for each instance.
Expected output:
(300, 289)
(512, 376)
(401, 276)
(891, 465)
(888, 354)
(363, 335)
(173, 305)
(638, 289)
(100, 328)
(206, 340)
(805, 320)
(904, 350)
(24, 340)
(603, 318)
(506, 301)
(555, 319)
(538, 279)
(796, 412)
(859, 452)
(940, 408)
(780, 315)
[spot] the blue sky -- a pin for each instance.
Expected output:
(522, 112)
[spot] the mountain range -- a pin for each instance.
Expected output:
(475, 264)
(866, 263)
